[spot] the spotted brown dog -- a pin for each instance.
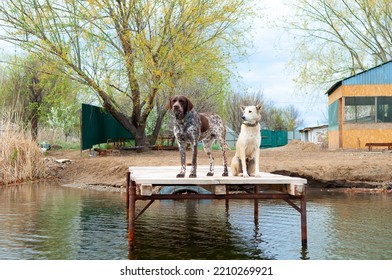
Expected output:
(192, 127)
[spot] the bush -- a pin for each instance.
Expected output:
(20, 157)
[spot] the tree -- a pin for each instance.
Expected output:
(338, 38)
(206, 96)
(129, 52)
(233, 107)
(271, 117)
(32, 88)
(65, 118)
(292, 118)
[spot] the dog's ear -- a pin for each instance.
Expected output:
(258, 107)
(189, 105)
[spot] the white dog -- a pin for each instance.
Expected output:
(247, 156)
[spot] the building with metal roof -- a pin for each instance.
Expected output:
(360, 109)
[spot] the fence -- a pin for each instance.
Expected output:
(98, 126)
(273, 138)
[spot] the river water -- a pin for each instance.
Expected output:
(49, 221)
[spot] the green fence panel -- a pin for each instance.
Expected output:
(273, 138)
(267, 139)
(281, 138)
(98, 126)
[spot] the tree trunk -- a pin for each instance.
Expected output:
(35, 99)
(141, 141)
(158, 126)
(34, 124)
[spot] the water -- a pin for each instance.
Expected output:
(47, 221)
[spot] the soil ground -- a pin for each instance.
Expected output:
(322, 168)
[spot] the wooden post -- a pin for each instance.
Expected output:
(131, 215)
(304, 234)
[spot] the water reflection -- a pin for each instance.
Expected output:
(52, 222)
(198, 230)
(47, 221)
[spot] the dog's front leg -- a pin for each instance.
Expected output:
(225, 171)
(257, 164)
(243, 164)
(182, 148)
(194, 160)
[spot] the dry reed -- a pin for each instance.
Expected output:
(20, 158)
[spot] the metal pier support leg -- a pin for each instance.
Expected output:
(227, 201)
(256, 207)
(304, 234)
(131, 215)
(128, 180)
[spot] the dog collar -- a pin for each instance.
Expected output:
(251, 124)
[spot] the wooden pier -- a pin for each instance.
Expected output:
(142, 183)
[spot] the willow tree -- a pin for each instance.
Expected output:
(338, 38)
(129, 52)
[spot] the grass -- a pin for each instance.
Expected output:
(68, 145)
(20, 158)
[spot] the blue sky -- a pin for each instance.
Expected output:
(266, 69)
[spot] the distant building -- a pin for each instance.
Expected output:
(360, 109)
(293, 135)
(315, 134)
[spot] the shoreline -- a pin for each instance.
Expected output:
(338, 186)
(355, 170)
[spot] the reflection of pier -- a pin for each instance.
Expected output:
(141, 183)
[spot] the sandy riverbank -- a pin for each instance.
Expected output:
(322, 168)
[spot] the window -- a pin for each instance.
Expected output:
(359, 109)
(384, 109)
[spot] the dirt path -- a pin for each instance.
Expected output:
(322, 168)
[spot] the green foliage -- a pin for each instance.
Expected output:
(133, 53)
(66, 145)
(38, 89)
(64, 118)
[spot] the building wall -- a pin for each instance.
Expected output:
(355, 136)
(337, 94)
(360, 90)
(315, 135)
(333, 139)
(366, 90)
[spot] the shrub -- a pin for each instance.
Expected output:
(20, 157)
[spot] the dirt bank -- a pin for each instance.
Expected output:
(322, 168)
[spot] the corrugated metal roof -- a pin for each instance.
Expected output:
(313, 127)
(381, 74)
(334, 87)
